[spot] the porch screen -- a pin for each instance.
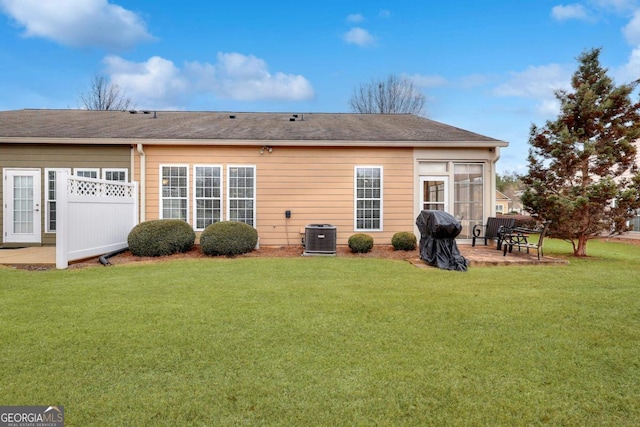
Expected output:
(468, 196)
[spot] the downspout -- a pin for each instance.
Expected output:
(143, 183)
(492, 179)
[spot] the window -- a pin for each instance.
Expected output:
(207, 196)
(468, 196)
(174, 183)
(115, 175)
(635, 222)
(86, 172)
(50, 198)
(241, 194)
(368, 198)
(434, 193)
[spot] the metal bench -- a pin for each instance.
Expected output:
(492, 230)
(520, 239)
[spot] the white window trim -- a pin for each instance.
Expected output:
(107, 170)
(96, 170)
(222, 204)
(46, 195)
(255, 191)
(160, 198)
(448, 191)
(355, 198)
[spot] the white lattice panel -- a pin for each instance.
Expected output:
(94, 216)
(91, 187)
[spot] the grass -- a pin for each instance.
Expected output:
(327, 341)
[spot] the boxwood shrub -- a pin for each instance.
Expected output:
(228, 238)
(161, 237)
(360, 243)
(404, 241)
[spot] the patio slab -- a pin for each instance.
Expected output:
(489, 255)
(37, 256)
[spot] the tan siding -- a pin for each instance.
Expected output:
(60, 156)
(315, 184)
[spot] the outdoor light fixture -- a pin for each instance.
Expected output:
(265, 148)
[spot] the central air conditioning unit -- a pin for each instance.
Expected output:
(319, 239)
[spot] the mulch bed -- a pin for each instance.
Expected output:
(378, 251)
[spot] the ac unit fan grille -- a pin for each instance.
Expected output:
(320, 239)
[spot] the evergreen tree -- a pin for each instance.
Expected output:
(582, 172)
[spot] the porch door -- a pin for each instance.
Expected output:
(22, 206)
(434, 194)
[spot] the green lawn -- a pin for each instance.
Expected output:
(327, 342)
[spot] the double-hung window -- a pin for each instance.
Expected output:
(207, 188)
(368, 198)
(174, 196)
(115, 175)
(241, 194)
(50, 198)
(87, 172)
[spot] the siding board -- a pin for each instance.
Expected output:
(44, 156)
(315, 184)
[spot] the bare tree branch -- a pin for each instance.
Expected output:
(104, 95)
(395, 95)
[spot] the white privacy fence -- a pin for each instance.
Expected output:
(93, 216)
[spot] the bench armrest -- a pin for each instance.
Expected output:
(477, 230)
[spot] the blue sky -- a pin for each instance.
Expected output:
(486, 66)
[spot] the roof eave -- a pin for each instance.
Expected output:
(253, 142)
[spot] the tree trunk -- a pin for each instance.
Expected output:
(581, 250)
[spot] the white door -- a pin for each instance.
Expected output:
(22, 206)
(434, 193)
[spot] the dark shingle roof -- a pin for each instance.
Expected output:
(175, 125)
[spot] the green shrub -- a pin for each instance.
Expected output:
(525, 221)
(360, 243)
(228, 238)
(161, 237)
(404, 241)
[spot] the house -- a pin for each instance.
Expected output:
(278, 172)
(634, 223)
(503, 203)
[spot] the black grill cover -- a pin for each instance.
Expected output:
(438, 247)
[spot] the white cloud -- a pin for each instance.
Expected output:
(631, 31)
(570, 11)
(536, 82)
(154, 83)
(355, 17)
(159, 83)
(548, 107)
(247, 78)
(78, 23)
(360, 37)
(631, 70)
(616, 5)
(384, 13)
(422, 80)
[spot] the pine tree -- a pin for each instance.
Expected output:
(582, 173)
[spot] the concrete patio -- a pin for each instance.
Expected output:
(43, 256)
